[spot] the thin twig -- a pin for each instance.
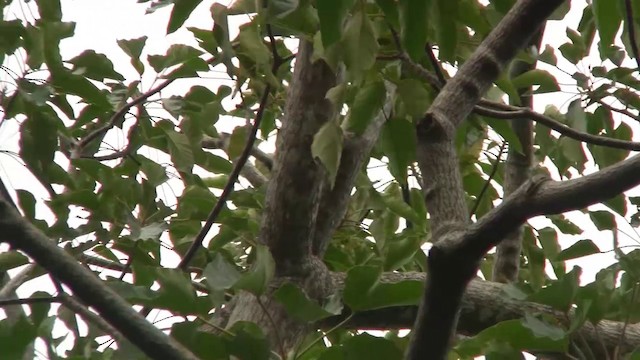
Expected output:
(618, 110)
(434, 63)
(339, 325)
(503, 111)
(228, 188)
(508, 112)
(28, 301)
(239, 164)
(121, 113)
(494, 170)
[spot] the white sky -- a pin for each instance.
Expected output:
(101, 23)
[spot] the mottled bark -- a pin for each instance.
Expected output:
(517, 171)
(292, 196)
(451, 262)
(485, 304)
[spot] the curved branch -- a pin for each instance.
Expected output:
(23, 236)
(542, 196)
(483, 305)
(450, 269)
(487, 108)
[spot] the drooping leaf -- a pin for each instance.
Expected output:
(180, 13)
(366, 105)
(257, 278)
(327, 147)
(580, 249)
(299, 305)
(360, 44)
(331, 14)
(220, 275)
(133, 48)
(413, 27)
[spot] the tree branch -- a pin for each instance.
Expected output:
(23, 236)
(483, 305)
(450, 269)
(291, 201)
(228, 188)
(542, 196)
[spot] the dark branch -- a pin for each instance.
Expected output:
(23, 236)
(228, 188)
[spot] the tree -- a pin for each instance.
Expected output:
(307, 247)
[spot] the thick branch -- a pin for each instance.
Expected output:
(292, 196)
(543, 196)
(23, 236)
(450, 269)
(485, 304)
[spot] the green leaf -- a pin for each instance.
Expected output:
(513, 332)
(50, 10)
(506, 131)
(446, 30)
(220, 274)
(603, 220)
(414, 96)
(251, 44)
(69, 83)
(299, 306)
(15, 337)
(27, 203)
(204, 345)
(366, 105)
(363, 290)
(331, 14)
(256, 280)
(38, 140)
(561, 293)
(133, 48)
(249, 343)
(180, 13)
(545, 81)
(180, 150)
(607, 20)
(175, 289)
(579, 249)
(359, 44)
(195, 203)
(237, 142)
(369, 347)
(327, 147)
(94, 66)
(176, 54)
(542, 329)
(359, 283)
(565, 225)
(11, 259)
(413, 27)
(11, 34)
(398, 141)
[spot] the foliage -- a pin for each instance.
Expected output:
(113, 208)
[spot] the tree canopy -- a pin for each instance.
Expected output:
(407, 149)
